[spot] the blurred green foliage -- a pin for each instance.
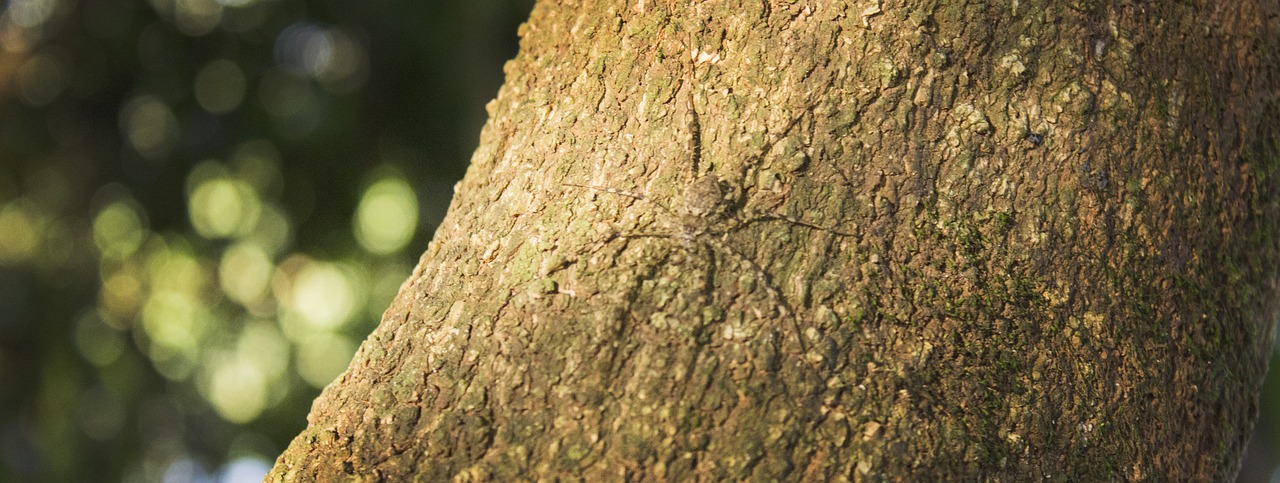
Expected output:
(205, 206)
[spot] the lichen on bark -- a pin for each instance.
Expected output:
(959, 239)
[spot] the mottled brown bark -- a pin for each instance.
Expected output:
(1015, 240)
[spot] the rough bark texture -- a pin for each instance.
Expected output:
(834, 240)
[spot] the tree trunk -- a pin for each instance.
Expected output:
(841, 240)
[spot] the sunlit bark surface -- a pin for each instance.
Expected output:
(841, 240)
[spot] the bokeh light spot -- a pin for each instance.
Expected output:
(197, 17)
(303, 48)
(150, 126)
(291, 101)
(221, 208)
(245, 469)
(20, 232)
(41, 79)
(220, 86)
(121, 293)
(173, 267)
(98, 342)
(118, 230)
(245, 273)
(323, 295)
(101, 413)
(262, 344)
(173, 321)
(30, 13)
(237, 389)
(327, 55)
(257, 162)
(387, 216)
(283, 94)
(172, 364)
(323, 356)
(273, 232)
(206, 170)
(184, 470)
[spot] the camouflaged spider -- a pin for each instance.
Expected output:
(706, 207)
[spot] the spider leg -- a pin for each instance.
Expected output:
(773, 140)
(695, 126)
(758, 216)
(779, 300)
(709, 281)
(637, 196)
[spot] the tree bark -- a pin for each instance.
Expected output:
(841, 240)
